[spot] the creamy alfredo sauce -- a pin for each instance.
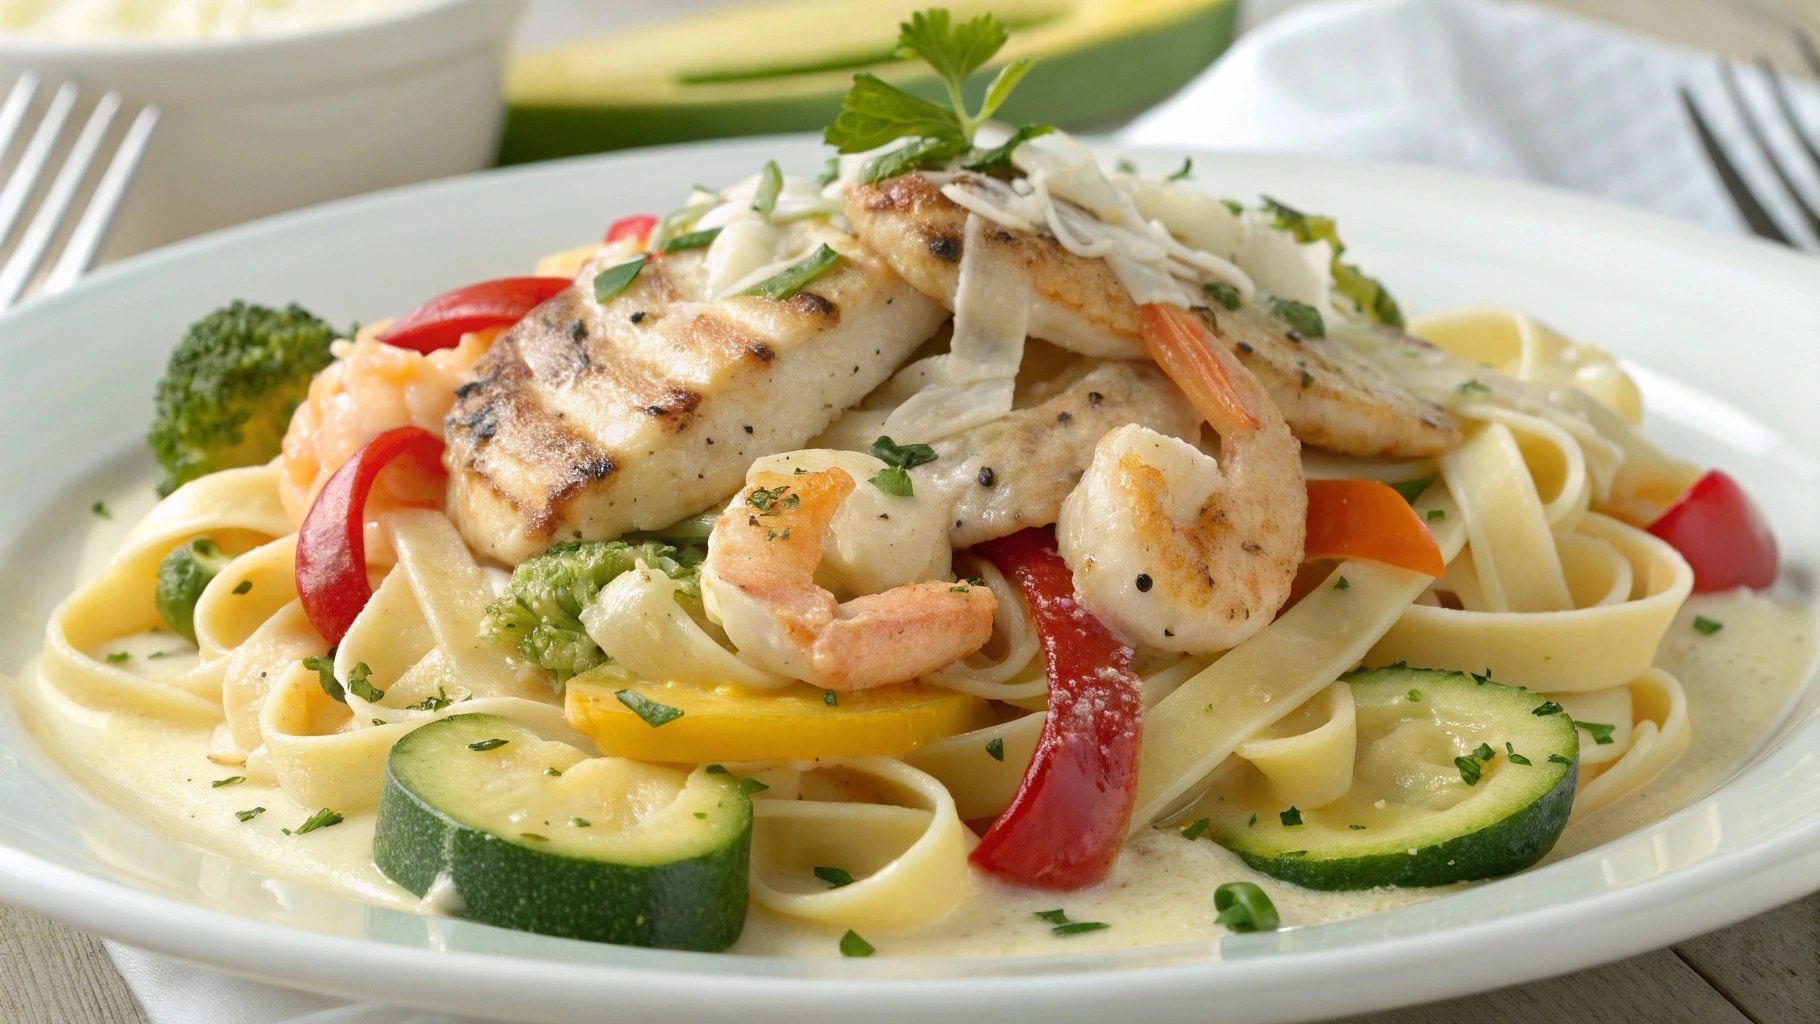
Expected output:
(1739, 682)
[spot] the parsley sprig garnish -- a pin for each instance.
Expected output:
(875, 112)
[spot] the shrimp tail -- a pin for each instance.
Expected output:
(1199, 365)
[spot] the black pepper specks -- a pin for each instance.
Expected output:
(1143, 583)
(1307, 379)
(1094, 398)
(1252, 547)
(946, 248)
(1293, 335)
(1065, 418)
(986, 477)
(748, 428)
(1247, 349)
(638, 317)
(578, 331)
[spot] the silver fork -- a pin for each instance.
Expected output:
(97, 215)
(1747, 202)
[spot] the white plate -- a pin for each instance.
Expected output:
(1738, 319)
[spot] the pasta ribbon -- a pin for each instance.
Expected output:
(638, 623)
(1588, 648)
(1660, 733)
(1525, 349)
(419, 638)
(239, 509)
(909, 864)
(1013, 623)
(1312, 768)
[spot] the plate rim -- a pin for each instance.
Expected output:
(1700, 897)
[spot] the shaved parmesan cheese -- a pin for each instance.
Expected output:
(937, 412)
(1284, 267)
(742, 247)
(1196, 218)
(991, 311)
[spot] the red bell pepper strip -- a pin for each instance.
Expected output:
(440, 322)
(331, 565)
(637, 226)
(1722, 535)
(1368, 519)
(1065, 825)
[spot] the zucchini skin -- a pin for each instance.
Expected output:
(693, 904)
(1505, 847)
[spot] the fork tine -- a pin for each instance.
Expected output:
(79, 251)
(1729, 76)
(51, 210)
(1787, 109)
(12, 114)
(1805, 43)
(1752, 211)
(31, 163)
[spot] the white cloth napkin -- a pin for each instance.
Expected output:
(1492, 88)
(1509, 90)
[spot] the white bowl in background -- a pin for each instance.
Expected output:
(262, 124)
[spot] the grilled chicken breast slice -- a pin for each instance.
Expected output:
(1078, 303)
(1015, 472)
(588, 420)
(1331, 396)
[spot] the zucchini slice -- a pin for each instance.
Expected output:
(1411, 818)
(513, 830)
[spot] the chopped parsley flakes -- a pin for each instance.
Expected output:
(1470, 771)
(321, 819)
(835, 877)
(1243, 907)
(1601, 734)
(651, 711)
(852, 945)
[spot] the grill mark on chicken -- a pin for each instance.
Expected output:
(590, 431)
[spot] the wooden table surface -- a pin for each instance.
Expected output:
(1764, 971)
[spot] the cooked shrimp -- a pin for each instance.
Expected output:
(1176, 549)
(369, 389)
(759, 580)
(1331, 396)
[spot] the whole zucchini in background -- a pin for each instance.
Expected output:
(783, 67)
(500, 826)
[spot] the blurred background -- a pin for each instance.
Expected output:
(268, 105)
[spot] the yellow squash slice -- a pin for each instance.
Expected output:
(738, 723)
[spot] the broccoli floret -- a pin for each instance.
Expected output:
(231, 386)
(542, 608)
(181, 578)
